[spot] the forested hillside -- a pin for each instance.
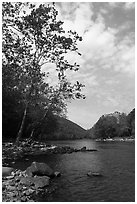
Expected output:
(65, 129)
(113, 125)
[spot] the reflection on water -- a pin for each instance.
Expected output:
(115, 160)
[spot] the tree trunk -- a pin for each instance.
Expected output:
(31, 135)
(19, 135)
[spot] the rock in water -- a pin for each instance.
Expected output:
(39, 169)
(6, 171)
(83, 149)
(90, 174)
(57, 174)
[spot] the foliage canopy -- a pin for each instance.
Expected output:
(32, 38)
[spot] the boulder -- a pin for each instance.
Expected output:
(39, 169)
(6, 171)
(91, 174)
(69, 151)
(27, 181)
(24, 199)
(63, 150)
(11, 188)
(83, 149)
(57, 174)
(92, 150)
(97, 174)
(37, 181)
(29, 171)
(3, 187)
(29, 192)
(41, 181)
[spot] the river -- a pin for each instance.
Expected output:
(114, 160)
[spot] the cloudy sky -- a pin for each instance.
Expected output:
(107, 63)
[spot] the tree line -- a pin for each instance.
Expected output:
(114, 125)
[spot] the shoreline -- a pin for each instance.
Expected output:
(13, 189)
(116, 140)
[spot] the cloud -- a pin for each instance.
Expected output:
(124, 5)
(111, 101)
(108, 56)
(98, 42)
(114, 4)
(80, 19)
(51, 77)
(111, 82)
(103, 11)
(103, 51)
(124, 57)
(130, 5)
(102, 47)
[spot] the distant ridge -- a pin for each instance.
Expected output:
(113, 125)
(108, 126)
(66, 129)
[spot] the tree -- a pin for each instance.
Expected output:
(106, 127)
(131, 122)
(43, 113)
(33, 37)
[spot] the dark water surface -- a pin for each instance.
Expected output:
(115, 160)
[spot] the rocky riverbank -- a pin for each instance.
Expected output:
(28, 185)
(116, 139)
(11, 152)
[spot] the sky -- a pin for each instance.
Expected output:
(107, 64)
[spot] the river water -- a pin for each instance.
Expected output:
(114, 160)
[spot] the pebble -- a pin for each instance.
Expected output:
(11, 188)
(23, 198)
